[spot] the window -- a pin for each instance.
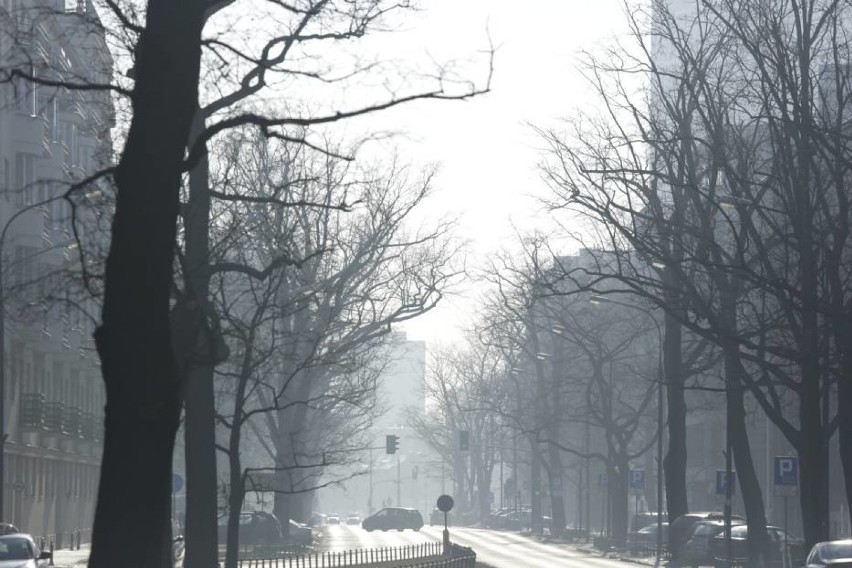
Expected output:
(24, 179)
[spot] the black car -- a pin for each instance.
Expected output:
(696, 550)
(831, 554)
(681, 528)
(739, 546)
(394, 518)
(256, 528)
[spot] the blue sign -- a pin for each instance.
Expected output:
(722, 481)
(603, 482)
(177, 483)
(637, 479)
(556, 486)
(786, 476)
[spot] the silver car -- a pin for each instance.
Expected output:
(833, 554)
(20, 551)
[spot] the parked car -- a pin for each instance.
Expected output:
(681, 528)
(496, 519)
(255, 528)
(21, 551)
(522, 519)
(300, 533)
(696, 550)
(830, 554)
(353, 519)
(648, 534)
(739, 545)
(641, 520)
(394, 518)
(317, 520)
(332, 519)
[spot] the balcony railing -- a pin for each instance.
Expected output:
(32, 411)
(53, 417)
(58, 418)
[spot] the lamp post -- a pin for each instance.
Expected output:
(660, 416)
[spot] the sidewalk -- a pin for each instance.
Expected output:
(590, 549)
(71, 558)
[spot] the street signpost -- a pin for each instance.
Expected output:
(556, 489)
(786, 482)
(637, 485)
(637, 480)
(445, 504)
(722, 482)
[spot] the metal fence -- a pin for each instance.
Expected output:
(424, 555)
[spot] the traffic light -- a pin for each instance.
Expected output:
(391, 443)
(464, 440)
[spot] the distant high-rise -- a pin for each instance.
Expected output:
(402, 385)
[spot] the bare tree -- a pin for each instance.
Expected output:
(175, 51)
(720, 137)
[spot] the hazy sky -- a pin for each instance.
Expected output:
(485, 147)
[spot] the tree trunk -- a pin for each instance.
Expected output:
(535, 488)
(235, 468)
(202, 550)
(843, 346)
(620, 498)
(134, 340)
(556, 482)
(674, 462)
(811, 465)
(758, 540)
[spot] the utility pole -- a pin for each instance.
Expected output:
(370, 495)
(398, 483)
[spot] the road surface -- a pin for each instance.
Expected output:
(500, 549)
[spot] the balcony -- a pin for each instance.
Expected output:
(53, 417)
(31, 416)
(72, 419)
(57, 418)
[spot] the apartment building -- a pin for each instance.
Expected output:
(51, 138)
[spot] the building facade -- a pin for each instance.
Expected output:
(51, 138)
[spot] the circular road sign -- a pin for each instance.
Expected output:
(445, 503)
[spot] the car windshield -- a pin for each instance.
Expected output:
(833, 550)
(739, 532)
(15, 549)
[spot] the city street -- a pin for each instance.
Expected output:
(499, 549)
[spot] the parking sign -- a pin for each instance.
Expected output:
(786, 476)
(637, 480)
(722, 481)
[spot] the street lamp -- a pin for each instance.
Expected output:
(605, 299)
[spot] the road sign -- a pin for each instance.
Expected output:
(786, 476)
(722, 481)
(603, 482)
(556, 488)
(445, 503)
(177, 483)
(637, 480)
